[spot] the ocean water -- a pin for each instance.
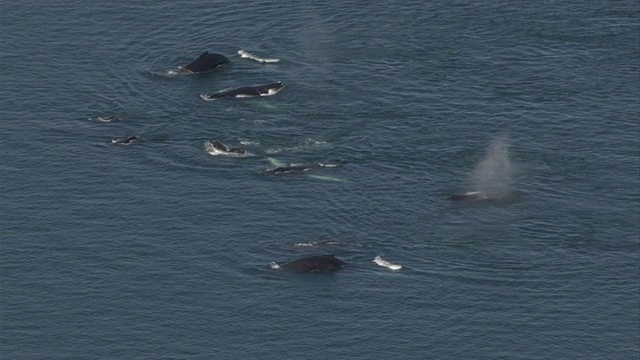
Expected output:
(160, 250)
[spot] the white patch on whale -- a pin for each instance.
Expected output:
(271, 92)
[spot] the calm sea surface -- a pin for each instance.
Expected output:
(160, 250)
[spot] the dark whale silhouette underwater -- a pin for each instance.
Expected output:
(500, 197)
(299, 168)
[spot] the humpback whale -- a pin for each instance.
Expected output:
(303, 167)
(108, 118)
(205, 62)
(500, 197)
(217, 148)
(312, 264)
(245, 91)
(127, 140)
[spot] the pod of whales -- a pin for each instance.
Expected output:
(319, 263)
(312, 264)
(245, 91)
(206, 62)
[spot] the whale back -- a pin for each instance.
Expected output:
(206, 62)
(315, 263)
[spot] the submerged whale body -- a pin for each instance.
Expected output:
(478, 196)
(206, 62)
(296, 168)
(313, 264)
(245, 91)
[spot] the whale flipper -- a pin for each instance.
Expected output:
(248, 55)
(378, 260)
(206, 62)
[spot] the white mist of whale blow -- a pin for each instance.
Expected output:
(493, 172)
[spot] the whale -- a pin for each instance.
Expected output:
(297, 168)
(312, 264)
(215, 147)
(245, 91)
(499, 197)
(108, 118)
(127, 140)
(205, 62)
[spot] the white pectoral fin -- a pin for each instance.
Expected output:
(275, 162)
(378, 260)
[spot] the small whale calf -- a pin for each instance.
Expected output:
(127, 140)
(205, 62)
(296, 168)
(500, 197)
(312, 264)
(245, 91)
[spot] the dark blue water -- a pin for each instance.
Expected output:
(160, 250)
